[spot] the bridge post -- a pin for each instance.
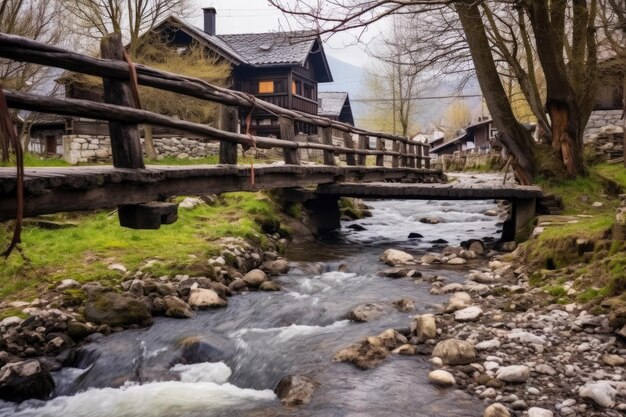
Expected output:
(412, 157)
(364, 145)
(404, 160)
(426, 155)
(228, 121)
(395, 159)
(288, 132)
(523, 210)
(380, 146)
(327, 139)
(125, 142)
(418, 155)
(349, 143)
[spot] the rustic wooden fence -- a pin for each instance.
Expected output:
(121, 112)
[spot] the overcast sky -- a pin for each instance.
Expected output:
(251, 16)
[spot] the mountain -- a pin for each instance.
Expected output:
(349, 78)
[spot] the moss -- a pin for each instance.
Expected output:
(9, 312)
(556, 291)
(74, 297)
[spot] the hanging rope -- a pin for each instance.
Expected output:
(133, 80)
(7, 130)
(248, 123)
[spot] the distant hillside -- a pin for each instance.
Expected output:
(347, 77)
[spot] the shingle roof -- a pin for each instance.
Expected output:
(331, 103)
(271, 48)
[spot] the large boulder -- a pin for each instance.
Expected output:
(117, 310)
(455, 352)
(255, 278)
(602, 393)
(25, 380)
(204, 298)
(395, 257)
(295, 390)
(370, 352)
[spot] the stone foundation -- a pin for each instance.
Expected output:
(601, 118)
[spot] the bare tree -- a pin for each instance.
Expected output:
(131, 18)
(560, 33)
(36, 19)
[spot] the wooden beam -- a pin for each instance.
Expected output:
(349, 143)
(125, 142)
(228, 121)
(380, 146)
(364, 145)
(395, 160)
(288, 134)
(418, 159)
(327, 138)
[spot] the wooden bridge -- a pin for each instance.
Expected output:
(401, 166)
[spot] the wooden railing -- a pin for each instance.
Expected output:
(119, 110)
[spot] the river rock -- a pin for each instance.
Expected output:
(545, 369)
(496, 410)
(477, 247)
(404, 305)
(613, 360)
(269, 286)
(414, 235)
(238, 285)
(203, 298)
(601, 393)
(366, 312)
(177, 308)
(25, 380)
(79, 330)
(430, 220)
(11, 321)
(441, 378)
(363, 355)
(116, 310)
(458, 301)
(508, 246)
(255, 278)
(539, 412)
(396, 272)
(525, 337)
(424, 326)
(455, 352)
(468, 314)
(513, 373)
(457, 261)
(396, 257)
(67, 284)
(487, 344)
(295, 390)
(406, 349)
(190, 203)
(276, 267)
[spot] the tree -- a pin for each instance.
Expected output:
(560, 33)
(457, 116)
(35, 19)
(131, 18)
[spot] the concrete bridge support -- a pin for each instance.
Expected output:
(522, 213)
(321, 212)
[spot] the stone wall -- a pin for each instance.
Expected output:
(601, 118)
(89, 149)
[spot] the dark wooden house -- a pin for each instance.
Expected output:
(479, 135)
(283, 68)
(335, 106)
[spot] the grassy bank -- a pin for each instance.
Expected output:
(574, 258)
(85, 251)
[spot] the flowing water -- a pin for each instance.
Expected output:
(261, 337)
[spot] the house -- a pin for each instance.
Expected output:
(479, 135)
(283, 68)
(335, 106)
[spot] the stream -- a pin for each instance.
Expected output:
(263, 336)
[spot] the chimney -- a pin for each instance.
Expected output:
(209, 20)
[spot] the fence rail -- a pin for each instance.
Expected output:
(123, 118)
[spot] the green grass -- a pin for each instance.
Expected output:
(85, 252)
(32, 160)
(615, 172)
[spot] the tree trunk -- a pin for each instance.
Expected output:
(148, 142)
(624, 119)
(514, 136)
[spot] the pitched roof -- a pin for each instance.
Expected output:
(272, 48)
(331, 102)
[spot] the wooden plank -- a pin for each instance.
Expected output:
(349, 143)
(228, 121)
(418, 159)
(364, 145)
(327, 139)
(426, 155)
(395, 159)
(125, 143)
(288, 133)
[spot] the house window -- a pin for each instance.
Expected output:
(296, 88)
(266, 87)
(308, 91)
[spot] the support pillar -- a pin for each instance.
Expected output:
(522, 212)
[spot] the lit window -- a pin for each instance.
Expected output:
(266, 87)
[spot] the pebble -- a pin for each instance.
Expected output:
(441, 378)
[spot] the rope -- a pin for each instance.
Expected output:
(133, 80)
(252, 138)
(8, 131)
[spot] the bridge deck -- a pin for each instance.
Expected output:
(50, 190)
(453, 191)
